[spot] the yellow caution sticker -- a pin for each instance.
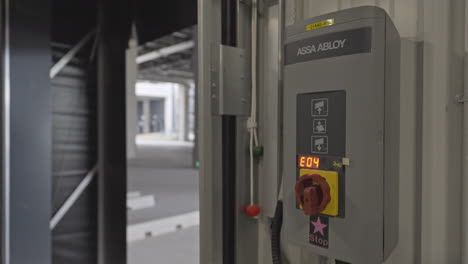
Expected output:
(321, 24)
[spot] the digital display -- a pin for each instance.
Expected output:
(309, 162)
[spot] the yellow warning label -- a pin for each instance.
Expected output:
(321, 24)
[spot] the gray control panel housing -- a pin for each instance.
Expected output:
(361, 62)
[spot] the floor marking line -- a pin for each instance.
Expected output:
(141, 202)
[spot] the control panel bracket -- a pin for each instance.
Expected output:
(230, 87)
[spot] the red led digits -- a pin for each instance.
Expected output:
(302, 161)
(316, 162)
(309, 162)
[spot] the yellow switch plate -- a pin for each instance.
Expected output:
(332, 179)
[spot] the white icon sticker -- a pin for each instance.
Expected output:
(320, 107)
(320, 144)
(320, 126)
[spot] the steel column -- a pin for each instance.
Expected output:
(27, 135)
(114, 20)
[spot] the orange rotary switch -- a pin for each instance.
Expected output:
(312, 193)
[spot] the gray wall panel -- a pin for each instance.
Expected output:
(30, 129)
(74, 152)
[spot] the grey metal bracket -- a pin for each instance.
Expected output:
(461, 99)
(231, 85)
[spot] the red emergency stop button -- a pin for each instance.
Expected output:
(312, 193)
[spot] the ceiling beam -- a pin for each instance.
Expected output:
(166, 51)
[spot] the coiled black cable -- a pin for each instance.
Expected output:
(276, 225)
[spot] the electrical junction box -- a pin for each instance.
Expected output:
(341, 135)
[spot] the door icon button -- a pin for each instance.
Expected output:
(320, 107)
(320, 144)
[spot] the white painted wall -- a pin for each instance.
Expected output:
(181, 112)
(176, 105)
(168, 91)
(151, 89)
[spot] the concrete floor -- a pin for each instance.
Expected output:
(175, 192)
(164, 171)
(175, 248)
(162, 154)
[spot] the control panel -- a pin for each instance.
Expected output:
(341, 135)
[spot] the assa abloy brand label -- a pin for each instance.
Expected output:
(330, 45)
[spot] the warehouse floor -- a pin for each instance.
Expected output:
(168, 229)
(175, 248)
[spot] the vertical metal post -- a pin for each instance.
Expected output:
(131, 99)
(5, 231)
(26, 132)
(114, 19)
(209, 134)
(229, 188)
(146, 115)
(464, 205)
(228, 37)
